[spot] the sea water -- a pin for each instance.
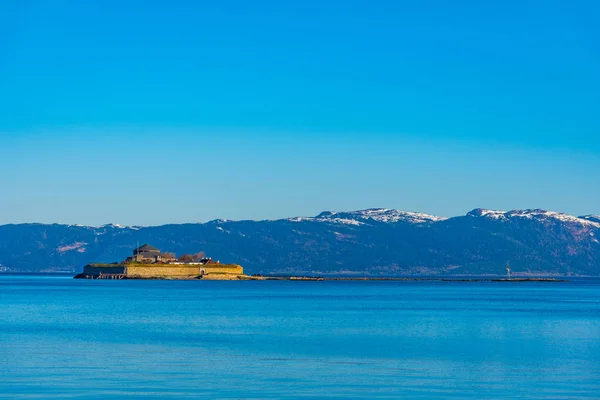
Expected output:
(98, 339)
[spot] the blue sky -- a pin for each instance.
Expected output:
(150, 112)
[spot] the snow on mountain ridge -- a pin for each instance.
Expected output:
(534, 214)
(391, 215)
(218, 221)
(360, 217)
(593, 218)
(387, 215)
(106, 228)
(111, 225)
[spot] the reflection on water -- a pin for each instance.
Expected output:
(97, 339)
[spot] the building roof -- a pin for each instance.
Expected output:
(146, 248)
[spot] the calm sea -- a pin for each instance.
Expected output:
(84, 339)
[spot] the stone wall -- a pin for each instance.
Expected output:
(158, 270)
(223, 269)
(103, 269)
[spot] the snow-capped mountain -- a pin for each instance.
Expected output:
(385, 215)
(106, 228)
(592, 218)
(536, 214)
(378, 241)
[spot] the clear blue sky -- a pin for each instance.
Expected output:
(150, 112)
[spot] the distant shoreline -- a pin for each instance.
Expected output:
(343, 278)
(319, 278)
(417, 279)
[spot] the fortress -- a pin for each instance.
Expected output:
(148, 262)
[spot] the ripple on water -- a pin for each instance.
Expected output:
(66, 338)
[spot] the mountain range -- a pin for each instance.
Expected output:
(373, 242)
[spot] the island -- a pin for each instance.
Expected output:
(148, 262)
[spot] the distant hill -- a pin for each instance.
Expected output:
(367, 242)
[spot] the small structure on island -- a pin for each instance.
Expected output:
(147, 253)
(508, 270)
(148, 262)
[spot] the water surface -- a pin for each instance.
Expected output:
(93, 339)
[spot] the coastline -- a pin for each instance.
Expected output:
(229, 277)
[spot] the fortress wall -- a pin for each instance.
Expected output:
(150, 270)
(223, 269)
(103, 269)
(154, 270)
